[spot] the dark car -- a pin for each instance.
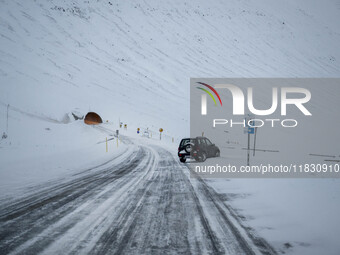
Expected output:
(199, 148)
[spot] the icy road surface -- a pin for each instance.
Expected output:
(147, 204)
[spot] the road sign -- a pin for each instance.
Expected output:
(160, 133)
(249, 128)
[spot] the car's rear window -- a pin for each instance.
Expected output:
(186, 141)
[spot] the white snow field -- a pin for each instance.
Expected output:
(131, 61)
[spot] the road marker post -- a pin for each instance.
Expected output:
(106, 145)
(249, 130)
(117, 136)
(255, 142)
(160, 133)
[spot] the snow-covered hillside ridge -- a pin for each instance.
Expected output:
(133, 60)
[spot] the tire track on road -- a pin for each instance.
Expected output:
(26, 219)
(148, 204)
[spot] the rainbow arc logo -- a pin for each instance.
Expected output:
(209, 93)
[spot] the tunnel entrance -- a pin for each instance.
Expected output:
(92, 118)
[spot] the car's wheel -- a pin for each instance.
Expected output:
(182, 160)
(188, 148)
(202, 157)
(217, 153)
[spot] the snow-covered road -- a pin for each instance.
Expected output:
(147, 204)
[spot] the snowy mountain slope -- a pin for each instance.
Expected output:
(133, 60)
